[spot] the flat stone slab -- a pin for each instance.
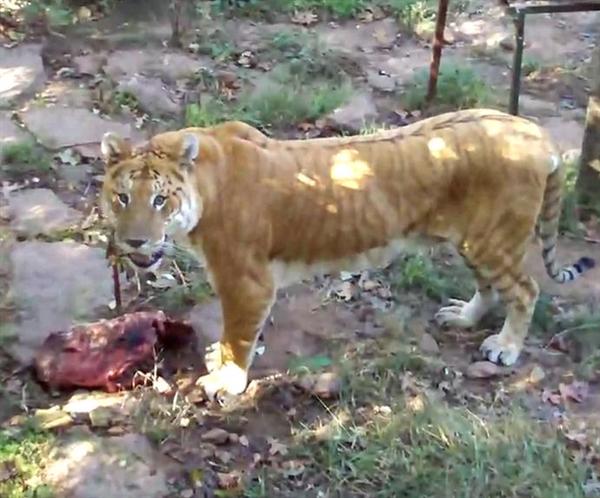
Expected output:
(84, 465)
(169, 66)
(21, 73)
(10, 133)
(58, 127)
(39, 212)
(55, 284)
(151, 95)
(358, 112)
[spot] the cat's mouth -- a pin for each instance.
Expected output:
(145, 260)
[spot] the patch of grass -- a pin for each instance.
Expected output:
(530, 65)
(434, 450)
(287, 100)
(181, 297)
(126, 99)
(417, 272)
(21, 458)
(216, 44)
(412, 13)
(24, 156)
(458, 87)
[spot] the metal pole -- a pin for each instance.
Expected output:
(438, 41)
(517, 62)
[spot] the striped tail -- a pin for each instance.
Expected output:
(548, 232)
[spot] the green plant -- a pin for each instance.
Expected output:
(22, 456)
(436, 281)
(25, 155)
(56, 12)
(457, 87)
(126, 99)
(530, 65)
(412, 12)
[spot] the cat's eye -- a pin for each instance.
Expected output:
(123, 199)
(159, 200)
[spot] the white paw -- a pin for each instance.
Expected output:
(212, 357)
(228, 379)
(458, 315)
(497, 350)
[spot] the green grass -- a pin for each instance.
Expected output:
(443, 451)
(390, 435)
(420, 273)
(457, 87)
(409, 12)
(284, 101)
(569, 215)
(25, 155)
(22, 456)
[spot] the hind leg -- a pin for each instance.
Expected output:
(466, 314)
(519, 293)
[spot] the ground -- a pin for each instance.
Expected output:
(358, 392)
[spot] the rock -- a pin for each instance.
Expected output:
(324, 385)
(151, 95)
(532, 106)
(567, 133)
(355, 114)
(21, 73)
(10, 133)
(55, 284)
(40, 212)
(381, 82)
(484, 370)
(51, 418)
(216, 436)
(90, 64)
(168, 66)
(67, 93)
(428, 345)
(85, 465)
(77, 126)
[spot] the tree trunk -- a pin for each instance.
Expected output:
(588, 181)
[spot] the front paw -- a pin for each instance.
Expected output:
(228, 379)
(498, 350)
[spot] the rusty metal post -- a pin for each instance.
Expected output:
(515, 87)
(438, 41)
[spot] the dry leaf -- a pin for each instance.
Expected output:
(276, 447)
(228, 480)
(549, 397)
(304, 17)
(246, 59)
(483, 370)
(576, 391)
(216, 436)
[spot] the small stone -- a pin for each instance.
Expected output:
(10, 133)
(483, 370)
(536, 375)
(358, 112)
(428, 344)
(101, 417)
(381, 82)
(52, 418)
(216, 436)
(324, 385)
(151, 95)
(187, 493)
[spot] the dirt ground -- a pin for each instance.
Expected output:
(346, 356)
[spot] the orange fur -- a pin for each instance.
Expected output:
(269, 211)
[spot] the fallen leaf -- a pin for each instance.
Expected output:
(276, 447)
(483, 370)
(428, 344)
(228, 480)
(304, 17)
(216, 436)
(247, 59)
(576, 391)
(549, 397)
(536, 375)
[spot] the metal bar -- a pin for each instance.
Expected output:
(547, 8)
(517, 62)
(438, 41)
